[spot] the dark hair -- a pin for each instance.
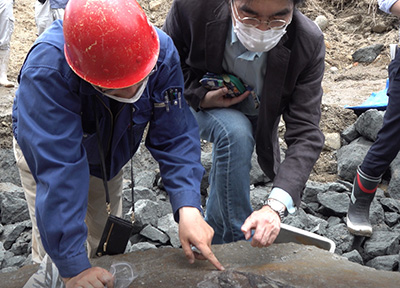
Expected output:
(295, 2)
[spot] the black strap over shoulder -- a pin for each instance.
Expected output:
(104, 171)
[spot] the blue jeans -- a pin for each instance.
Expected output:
(228, 204)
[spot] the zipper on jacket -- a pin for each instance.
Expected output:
(112, 119)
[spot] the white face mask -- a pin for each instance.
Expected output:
(131, 100)
(257, 40)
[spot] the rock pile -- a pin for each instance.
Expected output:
(323, 209)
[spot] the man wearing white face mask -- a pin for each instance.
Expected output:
(253, 38)
(87, 93)
(270, 46)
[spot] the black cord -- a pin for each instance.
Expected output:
(131, 146)
(103, 165)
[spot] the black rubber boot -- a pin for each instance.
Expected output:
(364, 188)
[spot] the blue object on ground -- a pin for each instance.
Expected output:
(377, 100)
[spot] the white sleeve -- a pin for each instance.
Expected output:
(283, 197)
(385, 5)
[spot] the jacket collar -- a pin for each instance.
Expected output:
(216, 32)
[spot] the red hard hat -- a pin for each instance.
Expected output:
(109, 43)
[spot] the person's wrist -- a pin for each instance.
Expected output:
(201, 107)
(188, 209)
(277, 206)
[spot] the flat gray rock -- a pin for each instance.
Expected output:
(280, 265)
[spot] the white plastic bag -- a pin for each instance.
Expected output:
(47, 276)
(124, 273)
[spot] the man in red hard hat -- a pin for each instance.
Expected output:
(112, 69)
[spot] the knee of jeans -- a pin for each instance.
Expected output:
(240, 137)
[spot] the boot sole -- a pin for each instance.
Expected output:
(358, 230)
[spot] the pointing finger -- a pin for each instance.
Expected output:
(209, 255)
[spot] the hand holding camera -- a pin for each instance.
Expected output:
(235, 87)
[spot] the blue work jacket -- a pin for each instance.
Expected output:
(58, 4)
(54, 123)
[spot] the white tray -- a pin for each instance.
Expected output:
(289, 233)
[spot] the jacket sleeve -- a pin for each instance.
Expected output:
(173, 137)
(302, 115)
(48, 130)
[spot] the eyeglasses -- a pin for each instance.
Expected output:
(109, 91)
(255, 22)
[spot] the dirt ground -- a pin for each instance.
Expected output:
(352, 24)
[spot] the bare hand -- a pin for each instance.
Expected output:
(266, 224)
(217, 98)
(94, 277)
(193, 230)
